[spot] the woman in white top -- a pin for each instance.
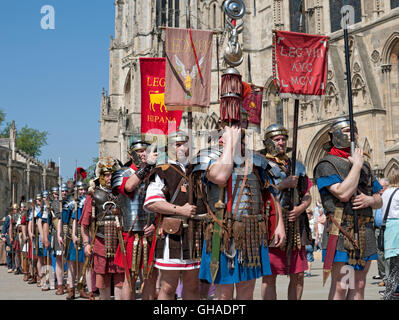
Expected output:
(391, 235)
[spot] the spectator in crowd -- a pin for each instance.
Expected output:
(378, 215)
(3, 253)
(391, 235)
(319, 221)
(310, 247)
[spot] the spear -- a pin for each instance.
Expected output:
(346, 17)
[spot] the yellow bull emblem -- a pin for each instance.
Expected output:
(157, 98)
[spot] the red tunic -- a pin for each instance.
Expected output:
(128, 240)
(102, 265)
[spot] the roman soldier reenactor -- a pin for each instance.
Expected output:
(77, 243)
(137, 224)
(33, 241)
(25, 241)
(100, 214)
(15, 233)
(292, 259)
(45, 224)
(179, 238)
(64, 204)
(349, 193)
(239, 208)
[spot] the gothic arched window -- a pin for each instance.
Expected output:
(335, 12)
(167, 13)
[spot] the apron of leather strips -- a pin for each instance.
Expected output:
(292, 231)
(348, 243)
(110, 238)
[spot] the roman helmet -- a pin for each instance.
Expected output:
(137, 144)
(54, 190)
(38, 196)
(106, 165)
(64, 187)
(177, 136)
(15, 206)
(337, 138)
(23, 205)
(272, 131)
(80, 185)
(45, 194)
(173, 138)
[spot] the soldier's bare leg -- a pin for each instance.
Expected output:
(190, 285)
(169, 282)
(126, 293)
(59, 271)
(337, 288)
(150, 284)
(224, 291)
(103, 283)
(268, 288)
(360, 284)
(295, 287)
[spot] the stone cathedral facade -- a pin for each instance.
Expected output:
(374, 52)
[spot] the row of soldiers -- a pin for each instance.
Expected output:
(43, 240)
(227, 216)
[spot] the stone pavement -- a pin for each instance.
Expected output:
(12, 287)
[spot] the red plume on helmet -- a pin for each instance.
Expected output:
(81, 174)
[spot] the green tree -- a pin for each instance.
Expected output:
(31, 141)
(28, 140)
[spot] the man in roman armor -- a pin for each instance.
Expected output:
(7, 239)
(100, 214)
(239, 204)
(77, 243)
(138, 225)
(15, 237)
(347, 181)
(291, 259)
(33, 241)
(62, 207)
(45, 225)
(25, 241)
(179, 238)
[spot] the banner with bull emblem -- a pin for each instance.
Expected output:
(300, 64)
(155, 117)
(188, 68)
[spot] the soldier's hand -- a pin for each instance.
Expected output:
(60, 242)
(87, 249)
(46, 243)
(152, 157)
(187, 210)
(74, 240)
(279, 236)
(289, 183)
(357, 158)
(149, 230)
(361, 201)
(294, 214)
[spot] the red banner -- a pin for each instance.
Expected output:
(252, 103)
(155, 118)
(301, 61)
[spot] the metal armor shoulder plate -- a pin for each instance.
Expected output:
(204, 156)
(81, 201)
(260, 161)
(117, 176)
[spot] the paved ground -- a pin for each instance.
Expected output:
(12, 287)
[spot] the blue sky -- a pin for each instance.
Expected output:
(51, 80)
